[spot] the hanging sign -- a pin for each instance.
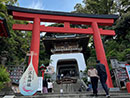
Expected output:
(40, 83)
(28, 83)
(128, 70)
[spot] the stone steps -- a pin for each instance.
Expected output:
(69, 88)
(77, 95)
(72, 91)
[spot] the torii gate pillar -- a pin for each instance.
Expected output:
(35, 42)
(100, 51)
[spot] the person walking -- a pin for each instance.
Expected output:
(103, 76)
(93, 74)
(50, 86)
(45, 85)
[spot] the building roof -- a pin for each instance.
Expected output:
(4, 31)
(49, 42)
(28, 10)
(58, 39)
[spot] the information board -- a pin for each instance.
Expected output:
(128, 70)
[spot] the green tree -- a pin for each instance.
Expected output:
(18, 44)
(4, 77)
(119, 45)
(103, 6)
(96, 7)
(123, 6)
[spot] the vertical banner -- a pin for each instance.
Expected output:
(28, 83)
(40, 83)
(128, 70)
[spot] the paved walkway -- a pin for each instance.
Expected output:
(119, 94)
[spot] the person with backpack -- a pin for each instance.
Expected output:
(103, 77)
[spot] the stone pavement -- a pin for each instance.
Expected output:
(119, 94)
(71, 91)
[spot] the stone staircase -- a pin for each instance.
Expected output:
(77, 95)
(79, 86)
(73, 90)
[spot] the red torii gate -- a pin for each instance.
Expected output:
(38, 16)
(4, 31)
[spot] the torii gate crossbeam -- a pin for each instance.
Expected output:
(38, 16)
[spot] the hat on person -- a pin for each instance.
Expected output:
(98, 61)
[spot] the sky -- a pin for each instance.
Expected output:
(52, 5)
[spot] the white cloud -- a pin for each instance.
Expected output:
(36, 4)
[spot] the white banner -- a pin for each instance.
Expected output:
(40, 83)
(28, 83)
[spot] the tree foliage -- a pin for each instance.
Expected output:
(15, 47)
(102, 6)
(119, 46)
(96, 7)
(4, 76)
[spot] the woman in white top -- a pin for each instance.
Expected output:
(93, 74)
(50, 86)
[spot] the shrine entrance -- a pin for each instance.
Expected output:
(69, 68)
(67, 19)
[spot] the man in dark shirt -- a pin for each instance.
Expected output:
(45, 85)
(103, 76)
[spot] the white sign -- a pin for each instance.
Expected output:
(40, 84)
(128, 70)
(28, 83)
(114, 63)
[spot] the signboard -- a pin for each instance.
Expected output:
(40, 83)
(28, 83)
(128, 70)
(114, 63)
(15, 73)
(121, 74)
(122, 64)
